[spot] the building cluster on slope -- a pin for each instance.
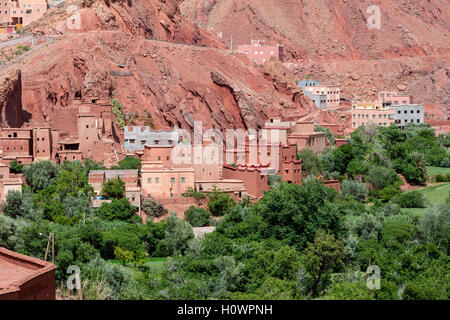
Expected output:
(390, 108)
(171, 168)
(65, 140)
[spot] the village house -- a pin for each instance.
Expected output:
(130, 177)
(323, 96)
(394, 98)
(20, 13)
(259, 53)
(8, 182)
(408, 113)
(135, 137)
(376, 112)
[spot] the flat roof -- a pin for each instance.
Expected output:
(16, 269)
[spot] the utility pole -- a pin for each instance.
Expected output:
(53, 248)
(231, 41)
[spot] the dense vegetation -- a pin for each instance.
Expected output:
(297, 242)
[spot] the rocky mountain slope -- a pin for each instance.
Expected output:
(330, 40)
(155, 62)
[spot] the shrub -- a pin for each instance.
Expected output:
(412, 199)
(388, 193)
(118, 209)
(381, 177)
(197, 217)
(153, 208)
(356, 189)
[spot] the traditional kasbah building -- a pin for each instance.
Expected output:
(20, 13)
(323, 96)
(259, 53)
(298, 133)
(77, 133)
(25, 278)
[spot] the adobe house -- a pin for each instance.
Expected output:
(16, 144)
(25, 278)
(259, 53)
(232, 187)
(130, 177)
(302, 134)
(253, 177)
(340, 142)
(333, 184)
(163, 182)
(8, 182)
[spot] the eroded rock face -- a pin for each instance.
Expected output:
(11, 99)
(155, 62)
(329, 40)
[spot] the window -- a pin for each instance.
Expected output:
(183, 179)
(256, 52)
(167, 158)
(149, 180)
(171, 195)
(172, 180)
(418, 111)
(159, 158)
(418, 121)
(156, 180)
(246, 52)
(271, 52)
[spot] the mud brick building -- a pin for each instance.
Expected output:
(130, 177)
(8, 182)
(25, 278)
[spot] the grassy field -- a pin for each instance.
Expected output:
(152, 264)
(434, 171)
(434, 194)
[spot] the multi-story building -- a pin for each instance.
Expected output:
(21, 12)
(136, 137)
(318, 93)
(376, 112)
(394, 97)
(384, 114)
(408, 113)
(259, 53)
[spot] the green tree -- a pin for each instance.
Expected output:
(197, 217)
(40, 174)
(15, 167)
(113, 189)
(122, 255)
(12, 205)
(310, 162)
(153, 208)
(177, 234)
(434, 227)
(355, 189)
(118, 209)
(219, 203)
(129, 163)
(319, 259)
